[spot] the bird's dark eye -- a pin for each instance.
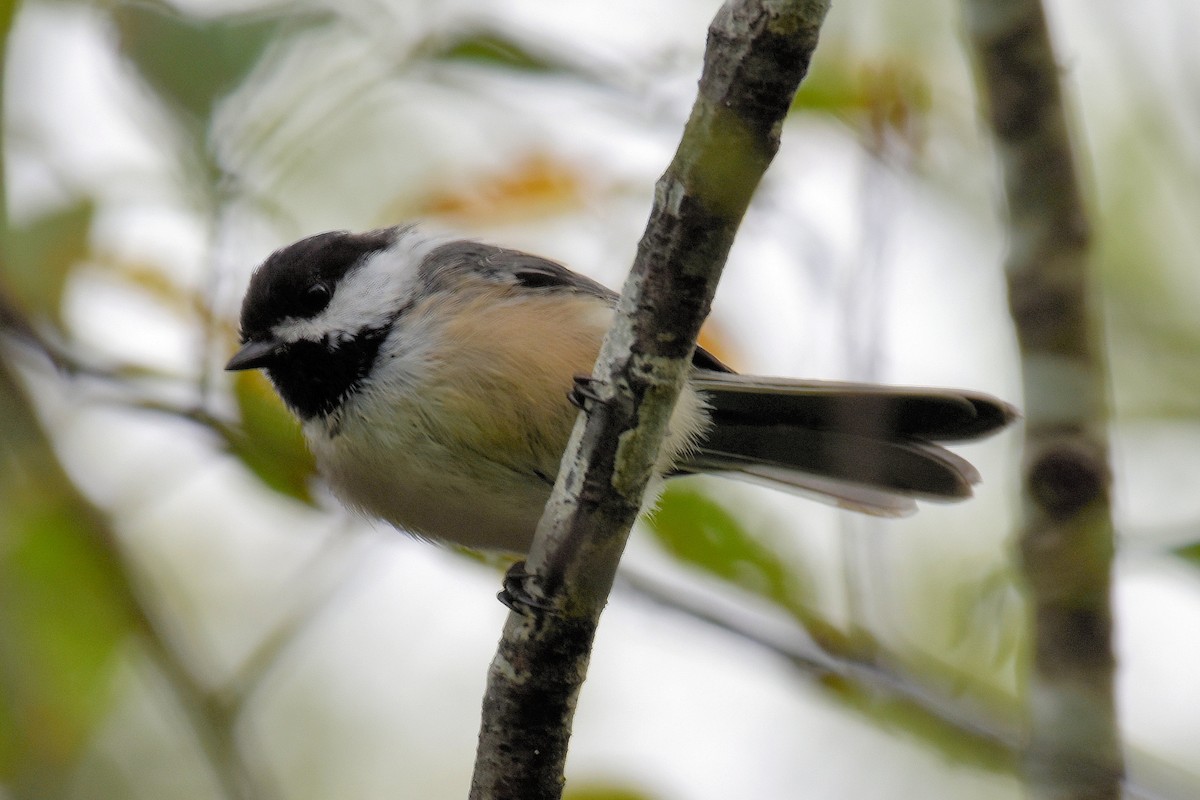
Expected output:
(315, 298)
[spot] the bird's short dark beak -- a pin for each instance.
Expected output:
(255, 354)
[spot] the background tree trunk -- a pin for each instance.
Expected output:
(1066, 544)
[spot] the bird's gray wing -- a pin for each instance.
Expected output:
(534, 272)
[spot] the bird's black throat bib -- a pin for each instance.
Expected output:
(316, 378)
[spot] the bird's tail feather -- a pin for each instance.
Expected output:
(938, 415)
(868, 448)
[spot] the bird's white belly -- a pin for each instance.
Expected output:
(423, 487)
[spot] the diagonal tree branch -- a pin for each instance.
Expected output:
(758, 52)
(1067, 542)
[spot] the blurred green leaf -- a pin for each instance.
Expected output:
(269, 441)
(888, 97)
(8, 11)
(700, 531)
(39, 256)
(904, 717)
(1190, 553)
(491, 48)
(64, 606)
(191, 62)
(601, 791)
(1146, 267)
(829, 88)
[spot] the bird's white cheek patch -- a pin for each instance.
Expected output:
(369, 295)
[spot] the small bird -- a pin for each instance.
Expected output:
(433, 379)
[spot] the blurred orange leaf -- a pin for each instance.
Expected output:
(712, 338)
(534, 186)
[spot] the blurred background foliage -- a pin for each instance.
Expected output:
(185, 614)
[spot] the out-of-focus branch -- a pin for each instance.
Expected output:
(213, 713)
(994, 737)
(23, 440)
(758, 51)
(1067, 540)
(997, 738)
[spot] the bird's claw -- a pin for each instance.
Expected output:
(518, 594)
(584, 392)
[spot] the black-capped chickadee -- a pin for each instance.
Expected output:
(431, 377)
